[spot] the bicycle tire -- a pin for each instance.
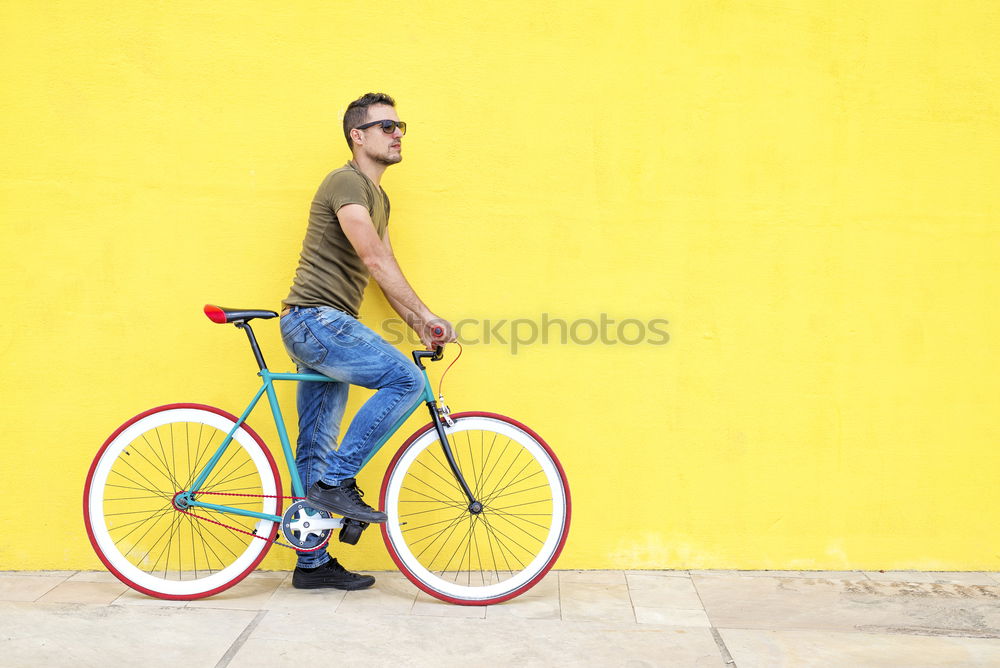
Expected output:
(134, 525)
(502, 551)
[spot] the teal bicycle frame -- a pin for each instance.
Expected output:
(188, 497)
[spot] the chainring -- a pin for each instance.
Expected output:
(295, 527)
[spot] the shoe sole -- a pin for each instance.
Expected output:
(318, 503)
(347, 587)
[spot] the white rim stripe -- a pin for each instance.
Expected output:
(95, 503)
(519, 579)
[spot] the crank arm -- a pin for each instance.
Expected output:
(323, 523)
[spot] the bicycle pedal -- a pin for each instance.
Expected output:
(351, 531)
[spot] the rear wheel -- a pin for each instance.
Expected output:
(146, 538)
(467, 557)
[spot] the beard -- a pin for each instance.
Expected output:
(388, 158)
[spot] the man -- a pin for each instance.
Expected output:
(347, 240)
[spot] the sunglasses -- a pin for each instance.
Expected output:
(387, 126)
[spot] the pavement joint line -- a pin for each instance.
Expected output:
(241, 640)
(726, 656)
(559, 595)
(64, 580)
(631, 603)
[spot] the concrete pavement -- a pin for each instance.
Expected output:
(599, 618)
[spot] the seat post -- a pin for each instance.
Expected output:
(253, 344)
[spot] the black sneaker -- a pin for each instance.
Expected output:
(331, 574)
(345, 499)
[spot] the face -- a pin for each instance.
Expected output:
(380, 146)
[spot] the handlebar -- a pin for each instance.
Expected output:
(435, 355)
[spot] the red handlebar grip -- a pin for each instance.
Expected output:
(437, 330)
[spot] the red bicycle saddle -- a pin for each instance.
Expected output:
(220, 315)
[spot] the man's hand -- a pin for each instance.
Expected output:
(435, 332)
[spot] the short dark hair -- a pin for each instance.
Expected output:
(357, 112)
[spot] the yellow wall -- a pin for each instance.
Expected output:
(807, 191)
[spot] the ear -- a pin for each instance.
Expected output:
(358, 136)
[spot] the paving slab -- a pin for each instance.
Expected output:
(633, 618)
(84, 592)
(288, 597)
(19, 588)
(392, 594)
(746, 574)
(539, 602)
(80, 636)
(834, 575)
(828, 575)
(938, 577)
(429, 606)
(836, 649)
(586, 601)
(92, 576)
(547, 586)
(526, 607)
(664, 573)
(796, 603)
(253, 593)
(132, 597)
(672, 617)
(593, 577)
(443, 642)
(650, 591)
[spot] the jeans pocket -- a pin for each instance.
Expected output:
(303, 346)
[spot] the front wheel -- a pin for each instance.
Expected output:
(144, 537)
(466, 557)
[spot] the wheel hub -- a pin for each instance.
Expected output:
(182, 500)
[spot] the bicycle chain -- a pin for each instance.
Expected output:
(253, 533)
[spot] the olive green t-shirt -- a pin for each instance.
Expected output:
(330, 273)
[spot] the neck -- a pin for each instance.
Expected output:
(370, 168)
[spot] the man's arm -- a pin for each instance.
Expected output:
(404, 309)
(378, 257)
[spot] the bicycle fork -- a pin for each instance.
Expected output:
(475, 507)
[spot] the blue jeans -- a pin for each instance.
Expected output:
(326, 341)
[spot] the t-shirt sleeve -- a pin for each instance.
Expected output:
(347, 188)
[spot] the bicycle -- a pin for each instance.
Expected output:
(478, 504)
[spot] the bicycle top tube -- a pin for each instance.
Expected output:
(311, 377)
(270, 376)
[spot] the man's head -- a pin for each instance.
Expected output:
(366, 132)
